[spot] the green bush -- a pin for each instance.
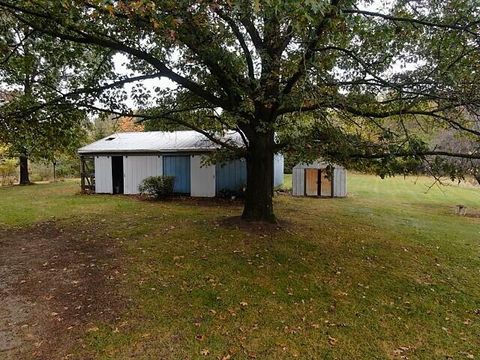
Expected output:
(158, 187)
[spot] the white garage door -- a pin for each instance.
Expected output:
(137, 168)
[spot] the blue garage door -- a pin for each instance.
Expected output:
(231, 176)
(178, 166)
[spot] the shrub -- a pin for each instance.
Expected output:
(158, 187)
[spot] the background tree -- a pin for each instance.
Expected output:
(104, 125)
(448, 140)
(359, 71)
(8, 167)
(33, 71)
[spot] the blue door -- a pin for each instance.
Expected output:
(179, 167)
(231, 176)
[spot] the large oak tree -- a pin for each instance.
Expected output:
(349, 76)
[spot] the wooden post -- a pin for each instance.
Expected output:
(82, 173)
(305, 182)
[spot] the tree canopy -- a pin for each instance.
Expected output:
(33, 69)
(347, 80)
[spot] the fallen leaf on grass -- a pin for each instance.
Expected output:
(401, 352)
(205, 352)
(332, 341)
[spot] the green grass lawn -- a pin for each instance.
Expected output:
(388, 272)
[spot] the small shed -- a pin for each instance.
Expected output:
(319, 179)
(123, 160)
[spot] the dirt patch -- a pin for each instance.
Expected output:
(55, 282)
(254, 227)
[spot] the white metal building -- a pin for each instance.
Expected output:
(123, 160)
(319, 179)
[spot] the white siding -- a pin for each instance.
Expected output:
(202, 178)
(278, 164)
(298, 182)
(340, 182)
(136, 168)
(103, 175)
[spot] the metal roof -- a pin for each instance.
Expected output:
(157, 141)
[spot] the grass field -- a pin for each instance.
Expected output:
(389, 272)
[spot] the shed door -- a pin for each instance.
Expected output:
(311, 182)
(326, 182)
(117, 174)
(103, 175)
(139, 167)
(179, 167)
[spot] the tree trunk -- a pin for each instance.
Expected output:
(24, 177)
(259, 196)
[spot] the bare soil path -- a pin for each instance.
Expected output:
(55, 282)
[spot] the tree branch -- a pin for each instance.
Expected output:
(411, 20)
(86, 90)
(16, 47)
(310, 49)
(414, 153)
(253, 32)
(241, 40)
(228, 80)
(85, 38)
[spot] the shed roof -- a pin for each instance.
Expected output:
(157, 141)
(319, 164)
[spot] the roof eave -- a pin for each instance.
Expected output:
(140, 151)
